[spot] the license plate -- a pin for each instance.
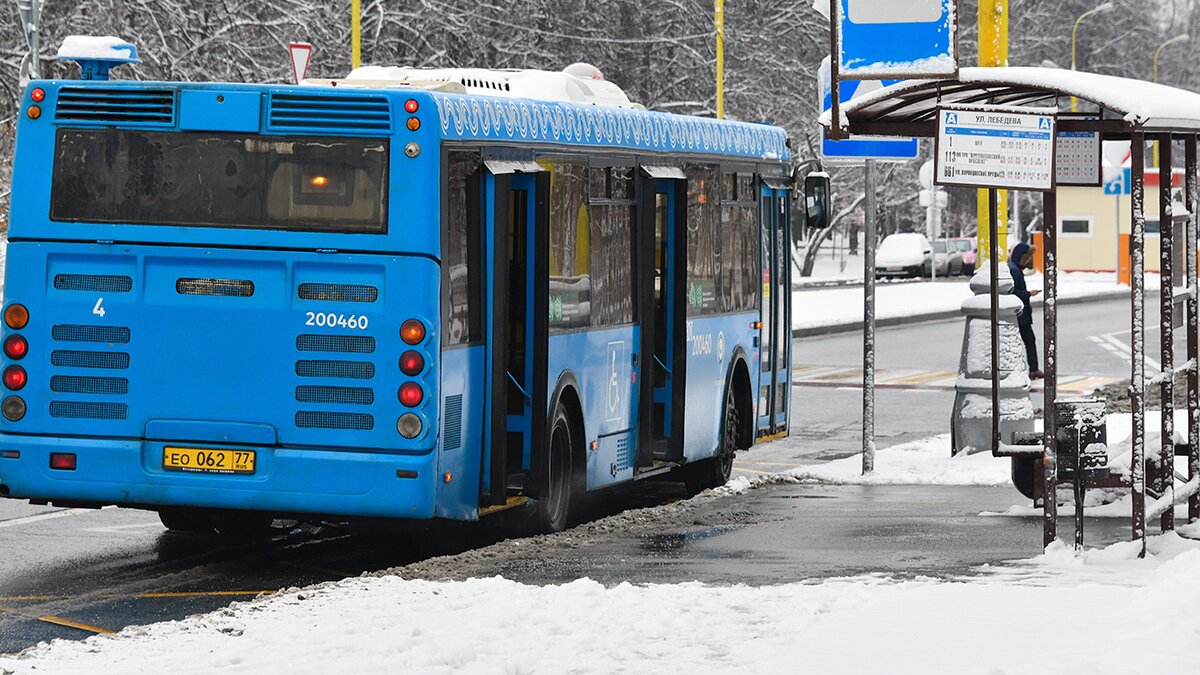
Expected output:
(202, 460)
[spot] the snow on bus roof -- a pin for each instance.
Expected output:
(97, 47)
(542, 85)
(1143, 104)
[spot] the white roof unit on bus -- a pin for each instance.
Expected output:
(579, 83)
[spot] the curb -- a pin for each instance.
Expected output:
(931, 317)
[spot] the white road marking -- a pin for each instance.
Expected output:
(28, 520)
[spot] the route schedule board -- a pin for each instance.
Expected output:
(995, 147)
(1079, 156)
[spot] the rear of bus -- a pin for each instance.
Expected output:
(226, 297)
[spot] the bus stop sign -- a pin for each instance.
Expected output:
(856, 147)
(882, 39)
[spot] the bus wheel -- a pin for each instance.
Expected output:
(715, 471)
(186, 521)
(1024, 474)
(553, 513)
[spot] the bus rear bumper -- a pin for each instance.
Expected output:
(285, 480)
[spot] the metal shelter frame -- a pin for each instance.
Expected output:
(1127, 109)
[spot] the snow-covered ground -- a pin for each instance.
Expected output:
(837, 306)
(1103, 612)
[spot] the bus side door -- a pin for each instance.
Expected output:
(775, 370)
(662, 313)
(516, 332)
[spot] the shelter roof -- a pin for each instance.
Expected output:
(909, 108)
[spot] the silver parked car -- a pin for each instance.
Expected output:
(947, 259)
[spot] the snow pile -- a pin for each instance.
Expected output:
(924, 462)
(984, 624)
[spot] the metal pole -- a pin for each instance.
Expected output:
(869, 322)
(355, 33)
(1050, 369)
(719, 24)
(1165, 471)
(835, 74)
(1137, 384)
(1193, 333)
(994, 270)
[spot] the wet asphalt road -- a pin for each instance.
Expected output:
(72, 573)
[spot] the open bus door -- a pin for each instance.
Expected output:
(517, 329)
(775, 377)
(662, 315)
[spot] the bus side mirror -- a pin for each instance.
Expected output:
(816, 201)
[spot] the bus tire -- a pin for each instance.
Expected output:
(553, 513)
(186, 521)
(713, 472)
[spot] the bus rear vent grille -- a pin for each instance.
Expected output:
(338, 292)
(102, 334)
(93, 411)
(357, 344)
(453, 438)
(71, 384)
(348, 395)
(356, 370)
(73, 359)
(346, 112)
(624, 455)
(116, 106)
(306, 419)
(230, 288)
(96, 283)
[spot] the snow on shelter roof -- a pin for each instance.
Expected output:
(909, 107)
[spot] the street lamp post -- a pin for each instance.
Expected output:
(1099, 9)
(1158, 52)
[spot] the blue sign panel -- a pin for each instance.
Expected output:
(1118, 183)
(861, 147)
(897, 38)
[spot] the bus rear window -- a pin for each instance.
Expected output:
(220, 180)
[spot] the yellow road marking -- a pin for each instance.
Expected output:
(922, 378)
(200, 594)
(175, 594)
(58, 621)
(761, 473)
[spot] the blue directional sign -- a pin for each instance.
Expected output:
(897, 38)
(1118, 183)
(858, 147)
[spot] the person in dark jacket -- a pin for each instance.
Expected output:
(1020, 260)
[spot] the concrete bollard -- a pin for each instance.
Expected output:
(971, 420)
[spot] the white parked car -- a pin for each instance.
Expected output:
(906, 254)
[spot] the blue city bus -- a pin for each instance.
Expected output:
(408, 297)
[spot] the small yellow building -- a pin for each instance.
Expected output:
(1089, 222)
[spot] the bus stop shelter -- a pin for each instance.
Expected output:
(1121, 110)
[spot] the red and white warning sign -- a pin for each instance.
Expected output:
(301, 54)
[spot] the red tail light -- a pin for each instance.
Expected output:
(411, 106)
(38, 95)
(64, 461)
(15, 347)
(15, 378)
(411, 394)
(412, 363)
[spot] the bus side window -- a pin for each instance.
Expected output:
(739, 242)
(571, 282)
(462, 250)
(703, 253)
(613, 208)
